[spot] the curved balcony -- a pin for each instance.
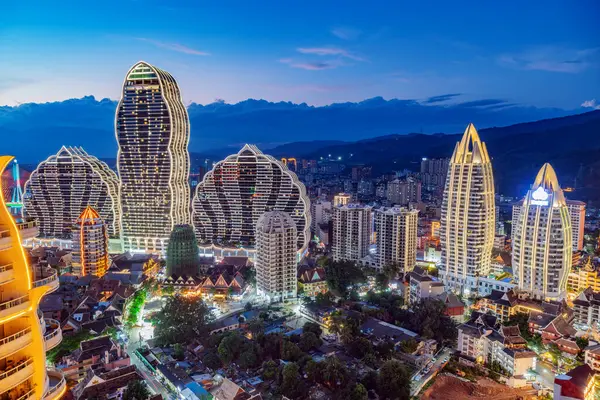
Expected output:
(7, 273)
(53, 335)
(12, 376)
(27, 395)
(14, 306)
(46, 277)
(57, 385)
(15, 342)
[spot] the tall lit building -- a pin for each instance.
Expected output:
(90, 245)
(396, 237)
(320, 213)
(403, 193)
(468, 214)
(341, 199)
(24, 336)
(241, 188)
(62, 187)
(352, 225)
(182, 252)
(153, 131)
(276, 265)
(542, 236)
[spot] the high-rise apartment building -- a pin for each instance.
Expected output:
(468, 215)
(90, 245)
(434, 172)
(24, 335)
(61, 188)
(341, 199)
(276, 261)
(352, 225)
(153, 131)
(402, 193)
(542, 236)
(182, 252)
(396, 237)
(577, 212)
(320, 213)
(241, 188)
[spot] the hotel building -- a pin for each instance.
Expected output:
(468, 215)
(153, 131)
(396, 237)
(90, 245)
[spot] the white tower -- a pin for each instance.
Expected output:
(351, 232)
(396, 237)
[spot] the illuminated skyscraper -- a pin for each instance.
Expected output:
(276, 261)
(241, 188)
(542, 239)
(153, 131)
(396, 237)
(182, 252)
(90, 245)
(352, 226)
(468, 215)
(24, 336)
(62, 187)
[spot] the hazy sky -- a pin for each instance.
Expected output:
(543, 53)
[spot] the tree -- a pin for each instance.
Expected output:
(385, 349)
(342, 274)
(249, 275)
(309, 341)
(290, 352)
(256, 326)
(334, 372)
(349, 330)
(248, 358)
(522, 321)
(136, 390)
(430, 320)
(178, 352)
(382, 282)
(409, 346)
(292, 386)
(229, 347)
(370, 360)
(393, 381)
(312, 327)
(135, 306)
(391, 270)
(248, 306)
(313, 370)
(369, 381)
(582, 342)
(360, 347)
(182, 318)
(324, 299)
(269, 369)
(359, 392)
(211, 360)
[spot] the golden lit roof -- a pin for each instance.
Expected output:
(89, 213)
(547, 180)
(470, 149)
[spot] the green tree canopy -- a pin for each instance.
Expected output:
(341, 275)
(312, 327)
(309, 341)
(292, 385)
(136, 390)
(182, 319)
(359, 392)
(393, 381)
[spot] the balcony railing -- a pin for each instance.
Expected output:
(17, 368)
(13, 303)
(51, 276)
(57, 384)
(54, 337)
(6, 267)
(15, 336)
(27, 395)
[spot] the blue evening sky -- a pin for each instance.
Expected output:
(542, 53)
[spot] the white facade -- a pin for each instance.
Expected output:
(153, 131)
(396, 237)
(341, 199)
(276, 266)
(351, 232)
(404, 192)
(468, 215)
(542, 239)
(320, 213)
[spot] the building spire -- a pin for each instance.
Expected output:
(470, 149)
(546, 181)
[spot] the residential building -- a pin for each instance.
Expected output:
(351, 231)
(25, 335)
(90, 244)
(577, 384)
(468, 215)
(434, 172)
(583, 277)
(182, 252)
(101, 352)
(592, 357)
(103, 383)
(403, 193)
(396, 237)
(586, 309)
(503, 305)
(276, 263)
(153, 130)
(542, 236)
(422, 285)
(63, 185)
(312, 281)
(241, 188)
(455, 308)
(320, 213)
(342, 199)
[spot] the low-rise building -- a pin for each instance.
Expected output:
(583, 277)
(506, 304)
(421, 286)
(105, 384)
(592, 357)
(455, 308)
(577, 384)
(312, 281)
(586, 309)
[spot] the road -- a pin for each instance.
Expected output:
(417, 384)
(545, 376)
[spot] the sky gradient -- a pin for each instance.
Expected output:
(540, 53)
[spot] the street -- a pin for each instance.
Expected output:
(419, 379)
(545, 376)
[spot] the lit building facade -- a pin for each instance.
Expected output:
(90, 245)
(62, 187)
(542, 239)
(182, 252)
(352, 225)
(238, 190)
(396, 237)
(153, 131)
(403, 193)
(467, 224)
(24, 337)
(341, 199)
(276, 265)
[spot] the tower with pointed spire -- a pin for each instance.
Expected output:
(468, 215)
(542, 239)
(90, 244)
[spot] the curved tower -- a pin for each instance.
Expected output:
(182, 252)
(542, 238)
(62, 187)
(468, 215)
(24, 336)
(241, 188)
(276, 266)
(153, 131)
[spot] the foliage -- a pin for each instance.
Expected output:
(409, 346)
(430, 321)
(256, 326)
(292, 385)
(391, 270)
(312, 327)
(68, 345)
(370, 360)
(342, 274)
(359, 392)
(229, 348)
(168, 290)
(178, 352)
(313, 370)
(136, 390)
(290, 351)
(249, 275)
(335, 373)
(211, 360)
(522, 320)
(582, 342)
(369, 381)
(324, 299)
(248, 306)
(382, 282)
(360, 347)
(249, 358)
(135, 306)
(269, 370)
(182, 318)
(385, 349)
(393, 381)
(309, 341)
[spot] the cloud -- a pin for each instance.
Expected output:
(345, 33)
(483, 103)
(329, 51)
(311, 66)
(552, 59)
(591, 104)
(175, 47)
(441, 98)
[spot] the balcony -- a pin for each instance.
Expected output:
(57, 385)
(53, 335)
(12, 376)
(27, 395)
(7, 273)
(14, 306)
(46, 277)
(15, 342)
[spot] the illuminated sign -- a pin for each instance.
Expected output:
(540, 197)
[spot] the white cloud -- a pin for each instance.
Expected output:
(591, 104)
